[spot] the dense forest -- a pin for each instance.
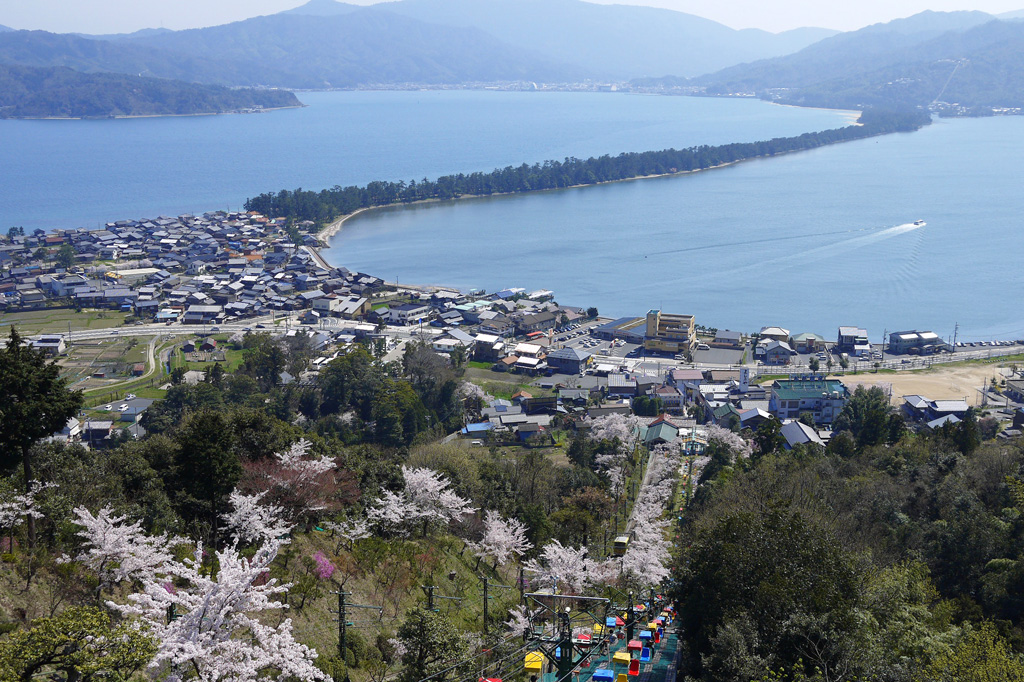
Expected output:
(248, 496)
(888, 555)
(885, 556)
(326, 205)
(30, 92)
(967, 59)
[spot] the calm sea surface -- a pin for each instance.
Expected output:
(807, 241)
(60, 174)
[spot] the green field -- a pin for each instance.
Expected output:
(55, 320)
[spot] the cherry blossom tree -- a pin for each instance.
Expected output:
(612, 426)
(470, 390)
(119, 551)
(502, 539)
(647, 559)
(20, 507)
(301, 484)
(518, 623)
(738, 446)
(563, 568)
(249, 520)
(214, 633)
(349, 531)
(426, 499)
(391, 512)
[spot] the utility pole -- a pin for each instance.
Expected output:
(956, 330)
(485, 606)
(343, 606)
(342, 624)
(630, 619)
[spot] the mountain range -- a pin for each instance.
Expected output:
(967, 58)
(331, 44)
(971, 58)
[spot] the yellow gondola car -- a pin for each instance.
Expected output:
(620, 545)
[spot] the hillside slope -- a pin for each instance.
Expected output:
(61, 92)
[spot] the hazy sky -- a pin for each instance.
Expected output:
(119, 16)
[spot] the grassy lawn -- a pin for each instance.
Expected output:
(502, 384)
(479, 365)
(56, 320)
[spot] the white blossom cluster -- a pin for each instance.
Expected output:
(205, 624)
(214, 634)
(350, 530)
(426, 499)
(21, 506)
(468, 389)
(563, 569)
(119, 551)
(738, 446)
(502, 539)
(251, 521)
(610, 427)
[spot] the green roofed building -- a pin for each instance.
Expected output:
(823, 398)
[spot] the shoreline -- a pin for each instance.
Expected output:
(132, 116)
(326, 233)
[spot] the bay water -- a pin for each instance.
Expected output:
(807, 241)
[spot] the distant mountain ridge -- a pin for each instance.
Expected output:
(363, 47)
(325, 44)
(965, 58)
(612, 41)
(54, 92)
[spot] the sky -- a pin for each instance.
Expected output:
(124, 16)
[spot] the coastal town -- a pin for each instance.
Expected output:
(202, 283)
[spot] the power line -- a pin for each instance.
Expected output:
(473, 658)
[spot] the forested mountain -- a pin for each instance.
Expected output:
(362, 47)
(5, 29)
(610, 41)
(296, 51)
(43, 49)
(964, 58)
(330, 44)
(61, 92)
(862, 51)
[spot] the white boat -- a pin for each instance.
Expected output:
(919, 223)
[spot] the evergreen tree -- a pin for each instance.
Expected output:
(36, 403)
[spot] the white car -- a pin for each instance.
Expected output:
(130, 396)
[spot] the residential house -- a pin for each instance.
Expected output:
(536, 322)
(822, 398)
(53, 344)
(778, 353)
(807, 343)
(408, 313)
(727, 339)
(569, 360)
(798, 433)
(853, 340)
(774, 334)
(923, 343)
